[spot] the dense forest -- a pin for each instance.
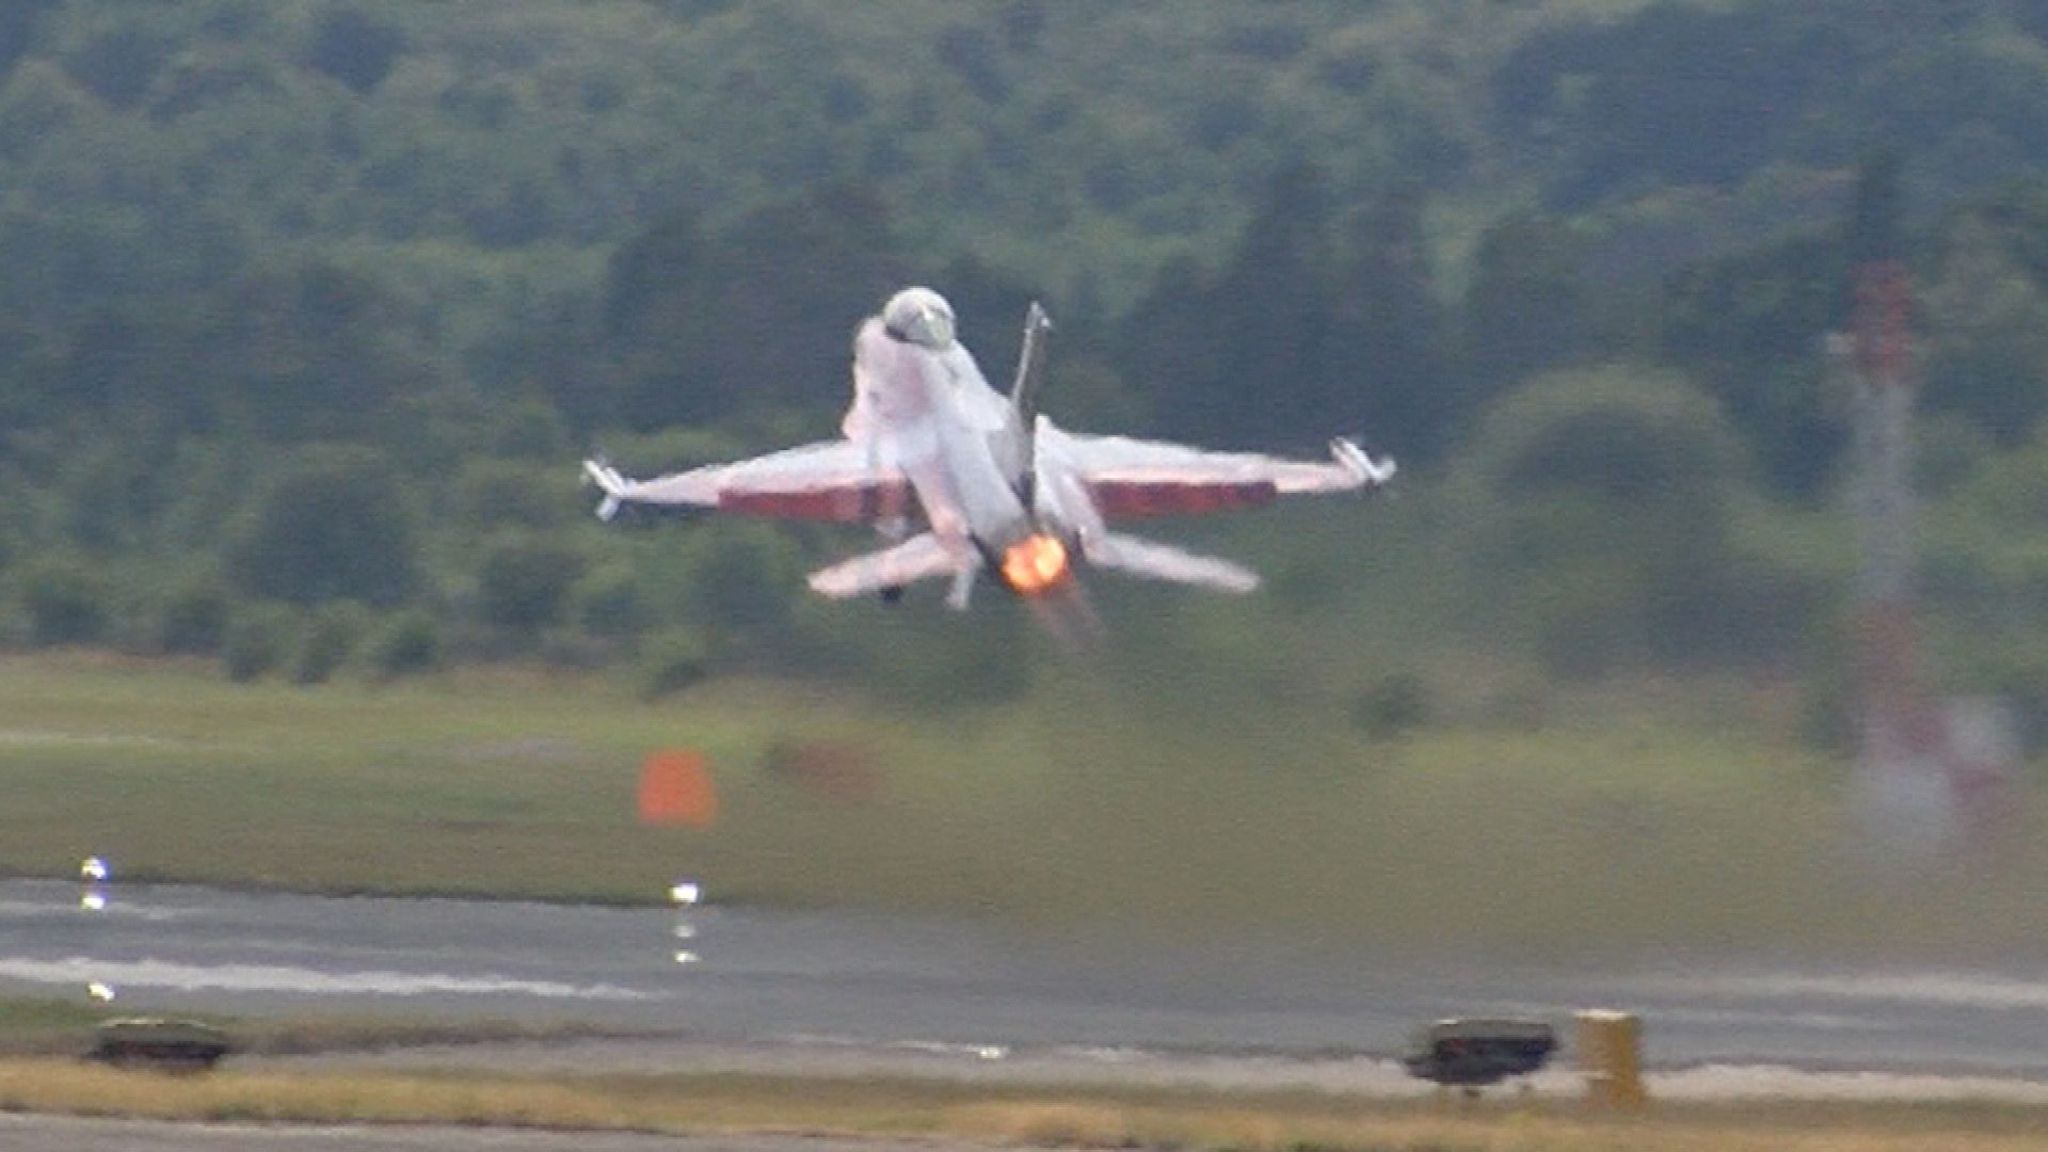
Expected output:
(312, 306)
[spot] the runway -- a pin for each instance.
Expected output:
(739, 985)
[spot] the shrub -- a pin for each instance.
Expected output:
(408, 644)
(194, 618)
(65, 601)
(606, 602)
(672, 661)
(1395, 706)
(256, 641)
(334, 527)
(330, 636)
(355, 48)
(524, 583)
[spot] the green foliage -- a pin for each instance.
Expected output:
(496, 493)
(333, 526)
(1393, 707)
(284, 277)
(607, 602)
(65, 600)
(672, 660)
(331, 634)
(407, 643)
(193, 618)
(524, 582)
(1605, 504)
(258, 640)
(354, 47)
(739, 578)
(1990, 308)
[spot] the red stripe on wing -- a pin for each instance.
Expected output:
(858, 504)
(1136, 499)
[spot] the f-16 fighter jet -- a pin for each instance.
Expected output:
(994, 486)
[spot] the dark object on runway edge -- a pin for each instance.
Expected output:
(1474, 1053)
(155, 1042)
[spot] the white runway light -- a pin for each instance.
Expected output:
(93, 901)
(687, 958)
(104, 993)
(685, 893)
(94, 868)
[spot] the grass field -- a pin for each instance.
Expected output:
(1168, 797)
(1031, 1116)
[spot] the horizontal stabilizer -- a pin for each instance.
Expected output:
(919, 558)
(1155, 561)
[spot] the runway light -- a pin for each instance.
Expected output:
(94, 868)
(687, 958)
(93, 901)
(104, 993)
(685, 892)
(992, 1052)
(686, 931)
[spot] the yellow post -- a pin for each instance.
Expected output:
(1610, 1050)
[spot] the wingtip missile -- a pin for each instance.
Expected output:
(609, 482)
(1368, 472)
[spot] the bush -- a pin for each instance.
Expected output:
(606, 602)
(743, 576)
(256, 641)
(408, 644)
(334, 527)
(1393, 707)
(194, 618)
(672, 661)
(65, 600)
(355, 48)
(330, 636)
(524, 583)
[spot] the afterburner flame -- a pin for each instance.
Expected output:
(1035, 564)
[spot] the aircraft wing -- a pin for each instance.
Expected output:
(841, 480)
(1136, 478)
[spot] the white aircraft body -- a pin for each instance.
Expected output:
(1000, 487)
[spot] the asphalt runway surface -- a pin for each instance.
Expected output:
(736, 987)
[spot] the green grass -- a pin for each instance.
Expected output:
(1679, 814)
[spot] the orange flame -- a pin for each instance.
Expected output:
(1034, 564)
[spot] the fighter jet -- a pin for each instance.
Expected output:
(994, 485)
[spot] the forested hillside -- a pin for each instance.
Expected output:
(311, 306)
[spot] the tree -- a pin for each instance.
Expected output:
(1604, 507)
(1523, 312)
(757, 321)
(1987, 313)
(333, 526)
(1751, 325)
(524, 583)
(1386, 371)
(1238, 354)
(316, 351)
(65, 600)
(354, 48)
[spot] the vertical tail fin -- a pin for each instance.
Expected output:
(1030, 366)
(1024, 400)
